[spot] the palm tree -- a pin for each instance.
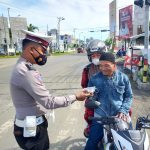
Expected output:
(32, 28)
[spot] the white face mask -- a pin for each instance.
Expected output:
(95, 61)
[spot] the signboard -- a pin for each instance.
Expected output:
(125, 22)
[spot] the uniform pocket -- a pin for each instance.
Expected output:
(120, 89)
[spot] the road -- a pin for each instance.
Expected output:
(62, 76)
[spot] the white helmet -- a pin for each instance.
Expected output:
(95, 46)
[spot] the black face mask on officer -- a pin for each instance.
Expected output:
(41, 59)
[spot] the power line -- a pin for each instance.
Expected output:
(24, 11)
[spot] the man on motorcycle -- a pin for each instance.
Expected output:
(114, 93)
(94, 50)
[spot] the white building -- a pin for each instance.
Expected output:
(4, 32)
(17, 24)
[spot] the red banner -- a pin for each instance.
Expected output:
(125, 22)
(135, 60)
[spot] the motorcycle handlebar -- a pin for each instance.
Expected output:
(144, 119)
(143, 122)
(147, 120)
(104, 120)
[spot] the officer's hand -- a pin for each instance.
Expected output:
(82, 95)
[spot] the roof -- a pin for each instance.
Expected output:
(138, 35)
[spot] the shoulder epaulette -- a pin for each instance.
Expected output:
(30, 67)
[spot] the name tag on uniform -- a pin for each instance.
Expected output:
(30, 126)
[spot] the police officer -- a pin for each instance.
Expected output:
(30, 96)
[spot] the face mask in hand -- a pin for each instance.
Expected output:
(95, 61)
(41, 59)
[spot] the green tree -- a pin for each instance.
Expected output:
(32, 28)
(108, 42)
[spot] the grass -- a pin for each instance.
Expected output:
(53, 54)
(15, 56)
(61, 53)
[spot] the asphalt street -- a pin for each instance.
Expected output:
(62, 75)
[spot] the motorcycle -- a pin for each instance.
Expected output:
(121, 53)
(118, 134)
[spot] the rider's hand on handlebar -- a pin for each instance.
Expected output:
(122, 116)
(82, 95)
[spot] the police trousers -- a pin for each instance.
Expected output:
(39, 142)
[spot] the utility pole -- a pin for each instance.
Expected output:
(9, 27)
(146, 40)
(74, 31)
(79, 37)
(58, 31)
(47, 30)
(5, 39)
(114, 38)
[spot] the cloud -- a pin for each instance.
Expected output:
(81, 14)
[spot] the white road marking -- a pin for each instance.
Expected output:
(4, 127)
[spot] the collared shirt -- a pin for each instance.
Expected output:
(114, 93)
(29, 94)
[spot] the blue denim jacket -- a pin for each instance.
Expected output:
(114, 93)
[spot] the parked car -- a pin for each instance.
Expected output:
(1, 51)
(80, 50)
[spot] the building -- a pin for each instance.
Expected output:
(115, 11)
(4, 32)
(17, 24)
(11, 29)
(139, 19)
(53, 33)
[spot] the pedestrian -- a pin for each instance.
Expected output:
(30, 97)
(113, 92)
(94, 50)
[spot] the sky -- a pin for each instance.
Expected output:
(82, 15)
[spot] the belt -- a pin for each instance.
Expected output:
(21, 123)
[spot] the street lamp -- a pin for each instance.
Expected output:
(104, 30)
(58, 30)
(79, 37)
(92, 31)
